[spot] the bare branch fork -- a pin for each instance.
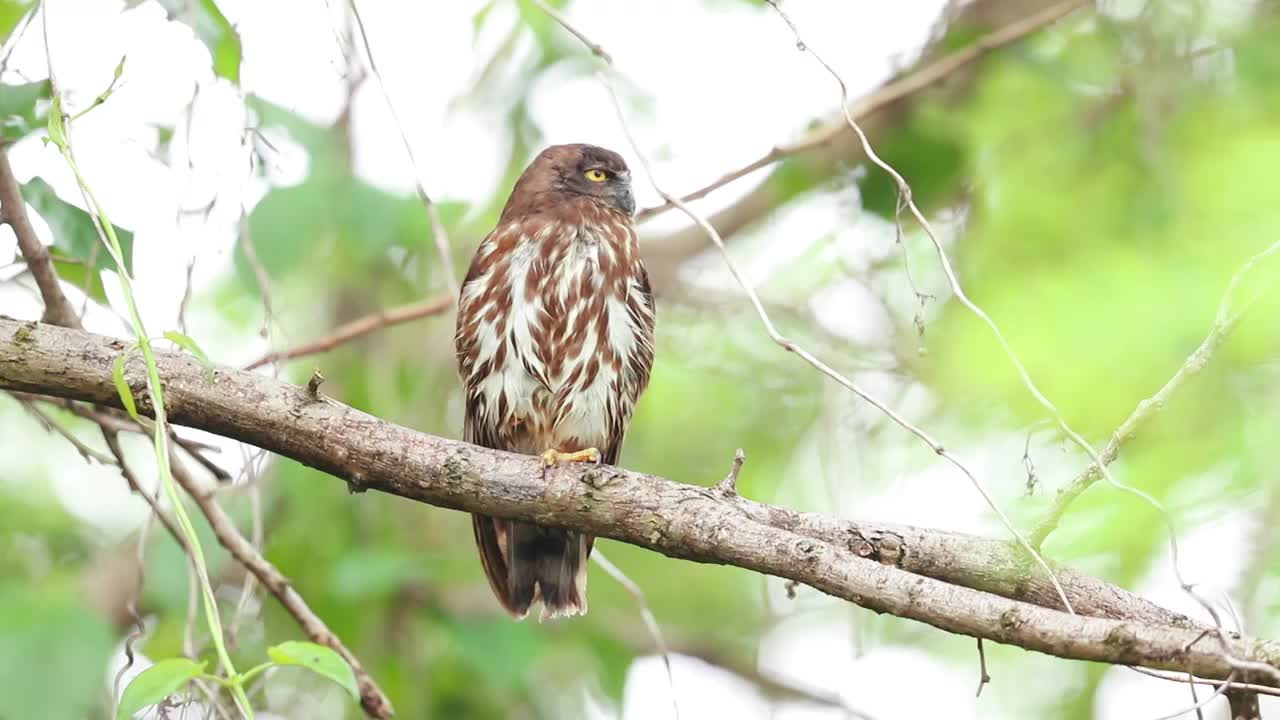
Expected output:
(359, 327)
(675, 519)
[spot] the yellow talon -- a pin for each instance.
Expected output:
(552, 457)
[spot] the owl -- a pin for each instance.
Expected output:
(555, 343)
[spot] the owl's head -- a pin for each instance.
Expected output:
(575, 170)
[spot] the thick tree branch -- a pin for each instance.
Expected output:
(678, 520)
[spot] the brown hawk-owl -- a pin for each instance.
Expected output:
(554, 343)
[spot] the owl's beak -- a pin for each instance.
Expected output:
(625, 201)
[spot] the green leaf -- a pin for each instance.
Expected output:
(18, 105)
(215, 31)
(57, 133)
(11, 12)
(226, 47)
(78, 274)
(186, 343)
(157, 683)
(74, 232)
(122, 385)
(319, 660)
(53, 653)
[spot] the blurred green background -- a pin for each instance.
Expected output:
(1096, 186)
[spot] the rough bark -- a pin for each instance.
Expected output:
(679, 520)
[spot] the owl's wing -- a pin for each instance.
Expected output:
(491, 534)
(639, 362)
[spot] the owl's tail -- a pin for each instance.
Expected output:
(526, 563)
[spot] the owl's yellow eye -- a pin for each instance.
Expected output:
(595, 175)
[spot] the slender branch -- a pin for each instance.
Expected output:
(650, 622)
(564, 23)
(118, 421)
(112, 438)
(359, 327)
(1225, 321)
(13, 212)
(53, 426)
(372, 699)
(906, 85)
(678, 520)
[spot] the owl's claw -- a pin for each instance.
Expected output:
(553, 457)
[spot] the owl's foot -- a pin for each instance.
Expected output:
(553, 457)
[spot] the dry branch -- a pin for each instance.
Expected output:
(833, 145)
(359, 327)
(675, 519)
(13, 212)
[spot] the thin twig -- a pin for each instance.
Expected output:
(1225, 321)
(112, 438)
(90, 277)
(53, 426)
(930, 74)
(983, 677)
(256, 537)
(131, 608)
(1195, 698)
(1194, 680)
(564, 23)
(16, 34)
(260, 276)
(13, 212)
(112, 419)
(433, 213)
(650, 622)
(186, 295)
(1226, 685)
(359, 327)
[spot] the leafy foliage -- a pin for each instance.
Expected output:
(319, 660)
(156, 683)
(19, 105)
(216, 32)
(76, 237)
(1108, 191)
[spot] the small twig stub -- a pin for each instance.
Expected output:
(729, 485)
(313, 385)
